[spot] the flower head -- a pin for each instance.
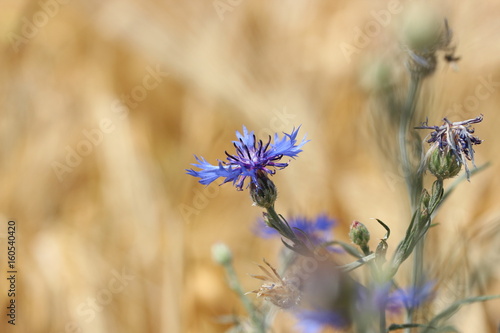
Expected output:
(251, 156)
(424, 38)
(455, 138)
(279, 291)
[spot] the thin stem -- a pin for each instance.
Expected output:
(383, 324)
(413, 176)
(277, 223)
(360, 262)
(234, 283)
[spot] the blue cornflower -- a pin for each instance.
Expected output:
(313, 321)
(367, 302)
(411, 297)
(394, 301)
(251, 157)
(317, 229)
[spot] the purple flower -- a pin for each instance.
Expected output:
(411, 297)
(455, 137)
(368, 302)
(376, 297)
(251, 156)
(317, 229)
(313, 321)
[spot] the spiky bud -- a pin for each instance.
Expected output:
(444, 164)
(360, 236)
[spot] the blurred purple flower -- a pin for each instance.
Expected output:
(411, 297)
(317, 229)
(251, 156)
(394, 301)
(369, 301)
(311, 321)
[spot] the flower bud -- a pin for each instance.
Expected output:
(264, 193)
(221, 254)
(425, 198)
(421, 28)
(360, 236)
(444, 164)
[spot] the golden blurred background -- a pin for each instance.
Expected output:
(104, 104)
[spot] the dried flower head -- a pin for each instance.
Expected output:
(251, 157)
(279, 291)
(454, 138)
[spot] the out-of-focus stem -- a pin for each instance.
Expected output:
(413, 176)
(257, 323)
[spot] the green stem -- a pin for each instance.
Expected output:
(383, 324)
(413, 177)
(417, 277)
(278, 224)
(234, 283)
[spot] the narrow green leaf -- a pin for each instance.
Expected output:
(453, 308)
(388, 233)
(352, 250)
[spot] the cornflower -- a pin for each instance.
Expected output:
(411, 297)
(316, 229)
(367, 303)
(252, 159)
(455, 138)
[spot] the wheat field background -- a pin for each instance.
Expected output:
(104, 104)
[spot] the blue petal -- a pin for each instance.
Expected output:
(247, 139)
(317, 229)
(262, 230)
(210, 173)
(413, 297)
(324, 223)
(313, 321)
(286, 146)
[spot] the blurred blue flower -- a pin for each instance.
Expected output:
(411, 297)
(251, 156)
(313, 321)
(369, 301)
(375, 297)
(317, 229)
